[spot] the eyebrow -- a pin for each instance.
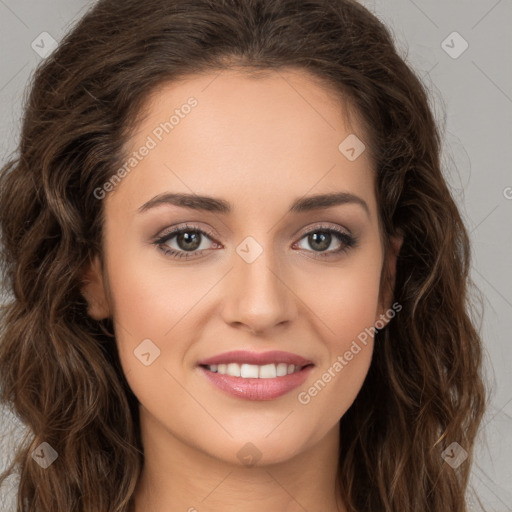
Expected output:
(211, 204)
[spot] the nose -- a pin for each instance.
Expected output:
(257, 296)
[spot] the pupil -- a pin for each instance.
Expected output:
(325, 240)
(188, 242)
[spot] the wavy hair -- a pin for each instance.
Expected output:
(59, 369)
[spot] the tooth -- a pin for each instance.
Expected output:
(281, 369)
(249, 371)
(268, 371)
(253, 371)
(233, 369)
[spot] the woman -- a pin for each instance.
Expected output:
(239, 277)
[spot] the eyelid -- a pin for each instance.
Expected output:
(167, 235)
(184, 227)
(326, 226)
(206, 231)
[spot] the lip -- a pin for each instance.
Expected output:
(257, 389)
(246, 357)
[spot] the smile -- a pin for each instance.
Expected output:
(253, 371)
(256, 376)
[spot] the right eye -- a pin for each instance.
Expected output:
(188, 239)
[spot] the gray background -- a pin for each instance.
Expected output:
(472, 99)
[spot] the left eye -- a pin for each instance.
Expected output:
(190, 239)
(321, 239)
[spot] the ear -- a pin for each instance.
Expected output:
(93, 290)
(388, 278)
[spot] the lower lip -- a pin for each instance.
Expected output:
(257, 389)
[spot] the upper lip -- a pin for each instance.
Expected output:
(258, 358)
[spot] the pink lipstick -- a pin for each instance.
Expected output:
(256, 376)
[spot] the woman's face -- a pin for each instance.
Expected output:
(255, 271)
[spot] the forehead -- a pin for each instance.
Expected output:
(274, 96)
(248, 136)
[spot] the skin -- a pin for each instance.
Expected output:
(259, 143)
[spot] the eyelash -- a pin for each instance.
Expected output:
(349, 241)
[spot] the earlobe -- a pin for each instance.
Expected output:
(93, 290)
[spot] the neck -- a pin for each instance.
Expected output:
(177, 477)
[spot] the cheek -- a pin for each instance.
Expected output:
(150, 312)
(150, 297)
(346, 299)
(349, 315)
(156, 303)
(347, 307)
(137, 300)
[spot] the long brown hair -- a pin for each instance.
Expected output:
(59, 369)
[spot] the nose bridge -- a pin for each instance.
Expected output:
(257, 296)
